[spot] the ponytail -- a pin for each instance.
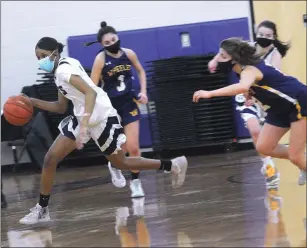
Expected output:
(104, 29)
(60, 47)
(282, 47)
(50, 44)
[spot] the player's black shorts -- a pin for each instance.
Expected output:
(294, 113)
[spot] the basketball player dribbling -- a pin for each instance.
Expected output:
(283, 97)
(272, 50)
(113, 65)
(94, 117)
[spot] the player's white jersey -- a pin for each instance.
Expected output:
(103, 107)
(267, 57)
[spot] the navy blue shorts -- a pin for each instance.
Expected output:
(127, 108)
(295, 113)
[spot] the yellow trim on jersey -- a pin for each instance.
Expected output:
(136, 101)
(276, 92)
(284, 96)
(298, 107)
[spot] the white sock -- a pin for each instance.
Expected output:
(268, 161)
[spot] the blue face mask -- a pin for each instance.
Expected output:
(46, 64)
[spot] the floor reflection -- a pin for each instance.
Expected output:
(39, 237)
(141, 236)
(208, 211)
(275, 233)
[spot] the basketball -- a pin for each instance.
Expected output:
(18, 110)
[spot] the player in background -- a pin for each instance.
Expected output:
(113, 66)
(283, 97)
(272, 50)
(94, 117)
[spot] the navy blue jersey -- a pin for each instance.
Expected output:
(117, 75)
(278, 92)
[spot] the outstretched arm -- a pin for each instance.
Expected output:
(60, 106)
(248, 77)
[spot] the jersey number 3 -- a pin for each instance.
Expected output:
(122, 85)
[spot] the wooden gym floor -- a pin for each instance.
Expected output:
(222, 203)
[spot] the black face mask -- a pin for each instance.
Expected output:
(114, 48)
(264, 42)
(225, 67)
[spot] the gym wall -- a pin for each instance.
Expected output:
(24, 23)
(288, 16)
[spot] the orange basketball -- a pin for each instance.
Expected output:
(18, 110)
